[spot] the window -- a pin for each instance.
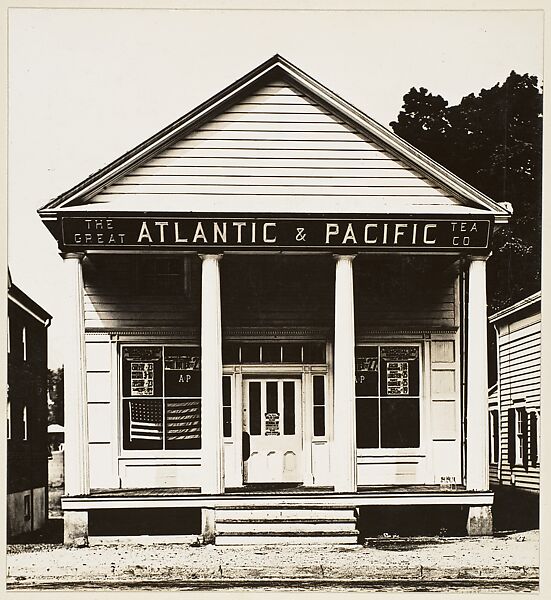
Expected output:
(161, 397)
(8, 417)
(226, 406)
(24, 342)
(387, 397)
(494, 436)
(273, 352)
(27, 507)
(319, 405)
(518, 436)
(25, 424)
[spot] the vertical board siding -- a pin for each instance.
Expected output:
(519, 346)
(278, 144)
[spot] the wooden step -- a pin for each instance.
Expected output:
(285, 525)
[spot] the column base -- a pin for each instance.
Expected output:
(75, 528)
(207, 525)
(479, 521)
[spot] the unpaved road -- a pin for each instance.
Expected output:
(508, 563)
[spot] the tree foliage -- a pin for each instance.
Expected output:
(492, 140)
(55, 396)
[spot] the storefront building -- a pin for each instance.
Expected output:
(275, 304)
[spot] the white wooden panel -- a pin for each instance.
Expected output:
(99, 387)
(446, 460)
(99, 423)
(102, 469)
(227, 179)
(320, 464)
(444, 420)
(355, 154)
(443, 383)
(398, 473)
(301, 107)
(98, 356)
(443, 351)
(364, 171)
(279, 190)
(159, 475)
(245, 163)
(327, 136)
(268, 117)
(326, 126)
(353, 144)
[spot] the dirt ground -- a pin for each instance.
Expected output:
(512, 557)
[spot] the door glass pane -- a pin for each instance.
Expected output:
(314, 352)
(226, 406)
(254, 408)
(292, 353)
(367, 422)
(319, 405)
(399, 422)
(271, 353)
(288, 408)
(250, 353)
(271, 397)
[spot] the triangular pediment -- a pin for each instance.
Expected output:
(280, 142)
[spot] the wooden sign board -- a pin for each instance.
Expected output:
(264, 232)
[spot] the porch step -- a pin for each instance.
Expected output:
(281, 525)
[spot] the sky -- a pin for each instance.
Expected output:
(85, 86)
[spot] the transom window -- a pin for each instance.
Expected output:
(274, 352)
(387, 396)
(161, 397)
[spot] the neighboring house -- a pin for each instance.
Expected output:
(515, 403)
(276, 312)
(27, 412)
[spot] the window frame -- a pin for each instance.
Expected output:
(411, 451)
(126, 453)
(24, 342)
(25, 419)
(519, 436)
(494, 427)
(9, 420)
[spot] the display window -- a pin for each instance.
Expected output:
(161, 397)
(387, 396)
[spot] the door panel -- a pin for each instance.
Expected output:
(272, 411)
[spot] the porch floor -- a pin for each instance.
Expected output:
(285, 496)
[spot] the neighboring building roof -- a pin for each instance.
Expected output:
(511, 312)
(445, 192)
(18, 296)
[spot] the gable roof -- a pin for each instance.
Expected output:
(275, 69)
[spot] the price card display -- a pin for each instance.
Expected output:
(397, 378)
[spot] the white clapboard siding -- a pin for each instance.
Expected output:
(272, 147)
(519, 385)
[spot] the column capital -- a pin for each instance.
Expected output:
(348, 257)
(216, 257)
(72, 255)
(478, 257)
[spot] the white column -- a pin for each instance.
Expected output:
(343, 460)
(77, 478)
(477, 378)
(211, 376)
